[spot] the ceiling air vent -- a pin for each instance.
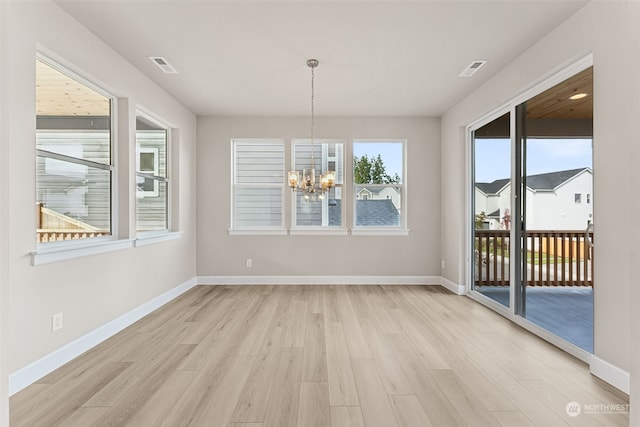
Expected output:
(472, 68)
(163, 64)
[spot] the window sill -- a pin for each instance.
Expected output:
(259, 232)
(319, 232)
(47, 255)
(156, 237)
(380, 232)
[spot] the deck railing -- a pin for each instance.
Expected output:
(52, 226)
(44, 236)
(554, 258)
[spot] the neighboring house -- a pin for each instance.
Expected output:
(494, 199)
(81, 194)
(74, 190)
(380, 193)
(380, 213)
(561, 200)
(369, 213)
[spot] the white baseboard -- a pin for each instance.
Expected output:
(38, 369)
(453, 287)
(318, 280)
(615, 376)
(41, 367)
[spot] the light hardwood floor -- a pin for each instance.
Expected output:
(319, 356)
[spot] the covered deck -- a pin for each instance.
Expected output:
(559, 292)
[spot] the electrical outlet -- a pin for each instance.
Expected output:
(249, 263)
(442, 264)
(57, 321)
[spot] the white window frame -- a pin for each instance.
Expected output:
(154, 172)
(154, 234)
(399, 230)
(256, 230)
(321, 166)
(58, 251)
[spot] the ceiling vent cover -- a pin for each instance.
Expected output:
(472, 68)
(163, 64)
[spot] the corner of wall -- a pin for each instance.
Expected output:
(43, 366)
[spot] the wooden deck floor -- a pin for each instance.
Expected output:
(564, 311)
(319, 356)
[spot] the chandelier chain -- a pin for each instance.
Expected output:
(312, 116)
(306, 182)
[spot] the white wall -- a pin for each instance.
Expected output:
(417, 254)
(93, 290)
(634, 251)
(4, 246)
(609, 31)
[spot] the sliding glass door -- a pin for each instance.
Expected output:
(492, 209)
(532, 210)
(557, 196)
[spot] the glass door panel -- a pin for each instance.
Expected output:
(557, 196)
(492, 213)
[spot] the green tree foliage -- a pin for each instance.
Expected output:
(362, 169)
(479, 220)
(372, 171)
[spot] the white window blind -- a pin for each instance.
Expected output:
(258, 183)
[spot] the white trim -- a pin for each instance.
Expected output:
(31, 373)
(564, 345)
(552, 78)
(318, 280)
(73, 72)
(150, 239)
(542, 333)
(258, 232)
(49, 255)
(615, 376)
(282, 186)
(453, 287)
(324, 144)
(380, 232)
(404, 192)
(329, 231)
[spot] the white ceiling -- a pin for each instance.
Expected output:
(380, 58)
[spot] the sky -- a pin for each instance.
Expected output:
(391, 153)
(493, 156)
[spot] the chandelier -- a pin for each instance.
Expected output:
(305, 181)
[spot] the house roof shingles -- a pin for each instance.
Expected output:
(380, 213)
(543, 181)
(551, 180)
(492, 187)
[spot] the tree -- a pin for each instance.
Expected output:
(378, 171)
(362, 169)
(372, 171)
(479, 220)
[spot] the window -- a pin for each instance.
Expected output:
(152, 181)
(326, 210)
(74, 161)
(378, 175)
(588, 198)
(258, 184)
(577, 197)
